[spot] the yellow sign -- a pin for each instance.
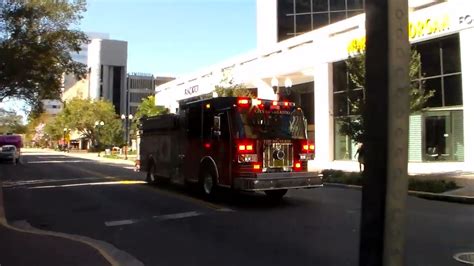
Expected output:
(428, 26)
(356, 46)
(415, 30)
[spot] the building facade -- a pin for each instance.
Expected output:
(52, 107)
(308, 42)
(141, 86)
(107, 63)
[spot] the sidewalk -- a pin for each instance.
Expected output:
(83, 155)
(463, 179)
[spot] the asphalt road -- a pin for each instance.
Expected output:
(169, 225)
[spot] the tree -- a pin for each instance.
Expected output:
(35, 47)
(10, 122)
(34, 131)
(81, 115)
(353, 125)
(148, 108)
(228, 87)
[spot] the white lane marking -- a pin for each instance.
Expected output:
(177, 215)
(164, 217)
(225, 210)
(122, 182)
(120, 222)
(64, 161)
(129, 167)
(10, 183)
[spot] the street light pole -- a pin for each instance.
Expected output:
(98, 124)
(64, 138)
(127, 120)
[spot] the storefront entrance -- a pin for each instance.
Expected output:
(443, 136)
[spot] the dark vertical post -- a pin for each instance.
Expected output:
(386, 118)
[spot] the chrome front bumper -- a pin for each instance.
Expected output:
(287, 180)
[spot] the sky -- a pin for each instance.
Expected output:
(175, 37)
(171, 37)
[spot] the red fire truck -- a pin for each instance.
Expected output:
(233, 142)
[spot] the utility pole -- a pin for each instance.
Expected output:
(386, 119)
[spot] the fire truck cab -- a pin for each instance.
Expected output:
(234, 142)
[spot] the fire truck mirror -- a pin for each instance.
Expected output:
(217, 126)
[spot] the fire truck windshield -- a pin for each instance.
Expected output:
(278, 123)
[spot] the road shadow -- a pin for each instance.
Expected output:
(234, 199)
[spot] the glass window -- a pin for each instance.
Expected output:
(353, 13)
(257, 123)
(337, 5)
(339, 76)
(340, 104)
(307, 104)
(356, 96)
(285, 7)
(451, 55)
(320, 20)
(437, 99)
(342, 144)
(320, 5)
(444, 136)
(285, 27)
(441, 58)
(430, 59)
(453, 90)
(337, 16)
(435, 136)
(355, 4)
(303, 23)
(323, 12)
(303, 6)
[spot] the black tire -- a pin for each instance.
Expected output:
(151, 178)
(208, 184)
(17, 160)
(276, 195)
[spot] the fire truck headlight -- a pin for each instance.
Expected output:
(248, 158)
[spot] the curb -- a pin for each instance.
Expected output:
(419, 194)
(110, 253)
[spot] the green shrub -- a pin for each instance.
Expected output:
(355, 178)
(338, 176)
(434, 186)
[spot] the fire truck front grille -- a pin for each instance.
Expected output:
(278, 155)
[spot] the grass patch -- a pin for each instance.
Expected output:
(111, 156)
(354, 178)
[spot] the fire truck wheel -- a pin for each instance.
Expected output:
(208, 184)
(276, 194)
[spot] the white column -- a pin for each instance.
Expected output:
(323, 124)
(267, 29)
(466, 38)
(265, 90)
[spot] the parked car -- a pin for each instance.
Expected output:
(10, 152)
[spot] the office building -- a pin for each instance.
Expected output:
(107, 63)
(305, 44)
